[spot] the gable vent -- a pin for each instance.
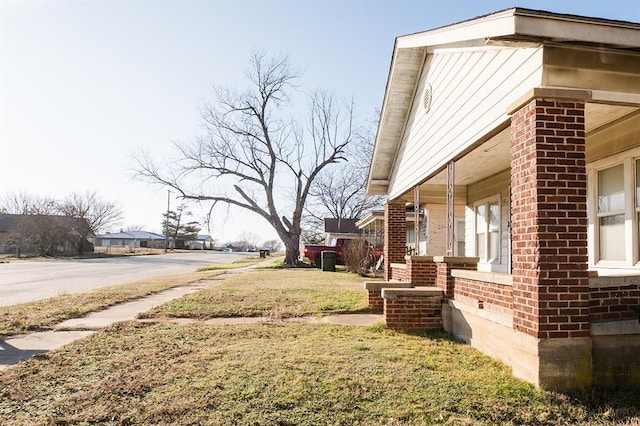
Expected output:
(426, 98)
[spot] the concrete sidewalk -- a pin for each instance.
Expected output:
(19, 348)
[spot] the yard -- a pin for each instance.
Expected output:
(164, 372)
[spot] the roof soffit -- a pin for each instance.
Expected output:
(402, 83)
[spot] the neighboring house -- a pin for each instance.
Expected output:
(521, 131)
(43, 234)
(431, 227)
(202, 242)
(340, 228)
(131, 239)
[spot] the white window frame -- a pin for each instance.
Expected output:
(631, 210)
(495, 199)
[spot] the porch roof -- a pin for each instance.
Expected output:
(511, 27)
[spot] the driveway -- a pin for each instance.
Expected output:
(28, 281)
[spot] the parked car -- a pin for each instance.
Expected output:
(312, 251)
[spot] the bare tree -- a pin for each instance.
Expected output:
(251, 148)
(27, 204)
(98, 213)
(273, 245)
(249, 239)
(49, 223)
(342, 193)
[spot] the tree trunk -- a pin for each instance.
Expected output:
(292, 247)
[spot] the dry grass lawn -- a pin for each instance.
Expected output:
(44, 314)
(161, 373)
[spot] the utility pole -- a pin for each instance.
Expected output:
(166, 222)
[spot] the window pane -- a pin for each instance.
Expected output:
(494, 245)
(481, 246)
(611, 189)
(481, 219)
(494, 231)
(494, 217)
(612, 237)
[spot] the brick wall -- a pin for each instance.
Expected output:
(395, 236)
(421, 270)
(549, 220)
(406, 309)
(444, 266)
(490, 296)
(375, 300)
(615, 302)
(399, 273)
(374, 292)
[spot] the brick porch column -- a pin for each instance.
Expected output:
(549, 244)
(395, 235)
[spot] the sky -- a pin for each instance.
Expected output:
(84, 84)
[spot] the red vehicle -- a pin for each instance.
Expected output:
(312, 252)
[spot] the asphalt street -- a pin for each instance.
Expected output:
(28, 281)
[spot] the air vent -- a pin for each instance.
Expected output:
(426, 98)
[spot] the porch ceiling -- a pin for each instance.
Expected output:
(493, 155)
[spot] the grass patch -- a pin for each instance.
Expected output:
(285, 374)
(240, 263)
(277, 293)
(45, 313)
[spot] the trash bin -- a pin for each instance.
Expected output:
(328, 259)
(263, 254)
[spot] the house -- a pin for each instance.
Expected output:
(521, 131)
(202, 242)
(335, 228)
(43, 234)
(425, 230)
(132, 239)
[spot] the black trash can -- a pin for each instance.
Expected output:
(263, 254)
(328, 260)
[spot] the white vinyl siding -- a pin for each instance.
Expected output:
(471, 92)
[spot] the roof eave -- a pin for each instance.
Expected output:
(514, 24)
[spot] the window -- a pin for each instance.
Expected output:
(614, 196)
(488, 231)
(611, 205)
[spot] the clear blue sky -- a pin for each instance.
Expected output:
(84, 84)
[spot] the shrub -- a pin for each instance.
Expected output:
(357, 256)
